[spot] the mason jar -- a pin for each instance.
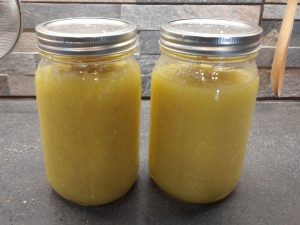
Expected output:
(88, 91)
(203, 93)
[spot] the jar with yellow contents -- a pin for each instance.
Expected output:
(88, 92)
(203, 94)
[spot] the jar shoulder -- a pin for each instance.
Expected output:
(205, 70)
(117, 67)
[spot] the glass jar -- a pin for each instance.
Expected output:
(88, 91)
(203, 92)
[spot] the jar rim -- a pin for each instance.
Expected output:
(208, 58)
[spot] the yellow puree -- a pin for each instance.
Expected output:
(89, 117)
(200, 120)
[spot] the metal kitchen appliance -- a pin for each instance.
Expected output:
(10, 25)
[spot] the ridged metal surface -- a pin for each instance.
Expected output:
(213, 37)
(86, 36)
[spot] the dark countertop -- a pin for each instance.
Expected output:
(268, 193)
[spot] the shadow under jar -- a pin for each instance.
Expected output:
(88, 92)
(203, 93)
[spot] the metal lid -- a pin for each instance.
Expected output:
(211, 37)
(86, 36)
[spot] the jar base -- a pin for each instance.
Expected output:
(63, 197)
(219, 199)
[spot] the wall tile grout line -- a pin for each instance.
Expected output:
(261, 12)
(195, 2)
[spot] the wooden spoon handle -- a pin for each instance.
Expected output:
(279, 61)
